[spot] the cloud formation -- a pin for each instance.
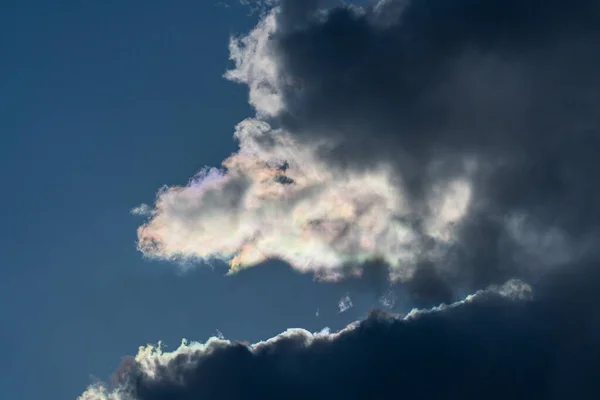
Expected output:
(143, 210)
(498, 343)
(456, 136)
(345, 303)
(453, 143)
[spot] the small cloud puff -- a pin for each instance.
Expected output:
(143, 210)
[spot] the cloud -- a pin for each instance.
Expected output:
(388, 300)
(143, 210)
(345, 303)
(497, 343)
(457, 138)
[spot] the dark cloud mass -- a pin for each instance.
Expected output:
(493, 346)
(432, 85)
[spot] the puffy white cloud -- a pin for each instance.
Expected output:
(276, 199)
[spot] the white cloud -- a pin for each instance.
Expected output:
(345, 303)
(257, 67)
(277, 199)
(143, 210)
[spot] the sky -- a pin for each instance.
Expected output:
(270, 176)
(102, 104)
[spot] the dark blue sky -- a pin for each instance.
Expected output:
(102, 103)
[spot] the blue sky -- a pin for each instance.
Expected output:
(102, 103)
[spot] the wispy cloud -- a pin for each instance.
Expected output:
(345, 303)
(143, 210)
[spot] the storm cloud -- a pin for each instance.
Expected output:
(451, 143)
(498, 343)
(457, 136)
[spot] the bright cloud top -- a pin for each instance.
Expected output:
(275, 199)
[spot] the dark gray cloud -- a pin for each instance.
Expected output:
(494, 346)
(430, 85)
